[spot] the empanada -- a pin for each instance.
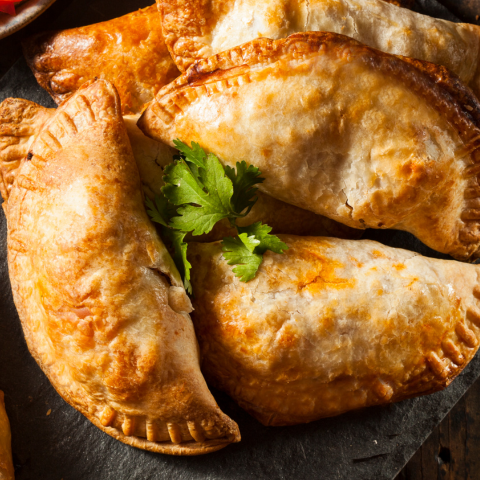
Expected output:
(333, 325)
(102, 305)
(363, 137)
(128, 51)
(21, 120)
(6, 464)
(196, 29)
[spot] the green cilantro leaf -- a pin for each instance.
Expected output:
(243, 181)
(198, 193)
(204, 200)
(180, 255)
(246, 251)
(238, 253)
(195, 154)
(161, 212)
(262, 234)
(158, 211)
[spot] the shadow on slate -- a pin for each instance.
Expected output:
(374, 443)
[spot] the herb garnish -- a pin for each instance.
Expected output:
(198, 193)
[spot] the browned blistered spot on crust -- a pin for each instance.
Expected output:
(288, 337)
(399, 266)
(413, 168)
(355, 261)
(266, 152)
(129, 370)
(413, 280)
(321, 273)
(378, 254)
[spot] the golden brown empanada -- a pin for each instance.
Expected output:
(6, 465)
(128, 51)
(363, 137)
(102, 305)
(196, 29)
(333, 325)
(21, 120)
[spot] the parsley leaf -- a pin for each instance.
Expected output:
(160, 211)
(246, 251)
(195, 154)
(180, 255)
(243, 181)
(265, 240)
(198, 193)
(205, 199)
(239, 253)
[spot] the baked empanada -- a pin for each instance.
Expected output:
(21, 120)
(332, 325)
(363, 137)
(196, 29)
(102, 305)
(6, 465)
(128, 51)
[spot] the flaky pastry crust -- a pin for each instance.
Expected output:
(197, 29)
(6, 464)
(21, 120)
(102, 305)
(333, 325)
(394, 148)
(128, 51)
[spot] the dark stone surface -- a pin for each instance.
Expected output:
(374, 443)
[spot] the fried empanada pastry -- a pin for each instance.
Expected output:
(360, 136)
(102, 305)
(6, 464)
(333, 325)
(128, 51)
(21, 120)
(197, 29)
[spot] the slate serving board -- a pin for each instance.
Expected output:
(52, 441)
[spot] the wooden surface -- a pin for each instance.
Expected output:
(452, 452)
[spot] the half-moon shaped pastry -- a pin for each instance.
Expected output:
(333, 325)
(21, 120)
(197, 29)
(363, 137)
(62, 61)
(102, 306)
(128, 51)
(6, 464)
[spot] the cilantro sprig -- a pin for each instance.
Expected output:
(198, 193)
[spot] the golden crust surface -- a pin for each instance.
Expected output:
(102, 305)
(6, 464)
(396, 148)
(197, 29)
(128, 51)
(21, 120)
(333, 325)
